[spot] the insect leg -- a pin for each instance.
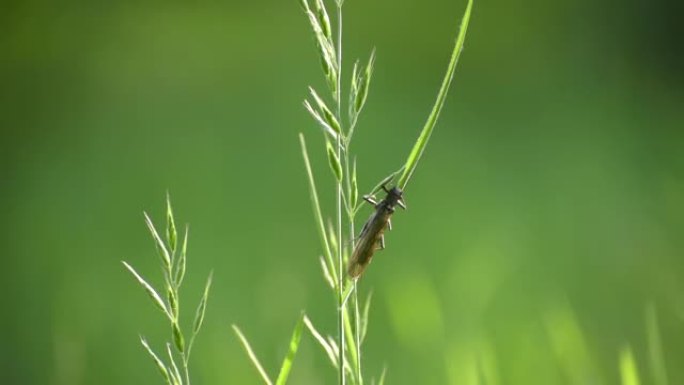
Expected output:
(381, 242)
(401, 204)
(370, 199)
(389, 224)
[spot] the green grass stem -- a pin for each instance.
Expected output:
(419, 146)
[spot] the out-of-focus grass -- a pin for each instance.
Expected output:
(559, 170)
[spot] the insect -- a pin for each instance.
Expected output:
(372, 233)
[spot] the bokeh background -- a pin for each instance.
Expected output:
(543, 241)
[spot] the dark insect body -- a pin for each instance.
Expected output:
(372, 233)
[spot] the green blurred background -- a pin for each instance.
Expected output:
(545, 228)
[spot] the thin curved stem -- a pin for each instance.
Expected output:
(340, 295)
(357, 330)
(186, 370)
(421, 142)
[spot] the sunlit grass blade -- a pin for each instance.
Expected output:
(334, 162)
(178, 338)
(202, 307)
(425, 134)
(173, 268)
(291, 353)
(172, 300)
(332, 237)
(252, 356)
(629, 374)
(171, 234)
(382, 376)
(321, 121)
(174, 379)
(329, 350)
(364, 84)
(161, 247)
(358, 94)
(158, 362)
(351, 341)
(364, 317)
(326, 273)
(317, 208)
(323, 38)
(357, 333)
(323, 18)
(353, 92)
(325, 112)
(326, 48)
(655, 347)
(333, 345)
(182, 259)
(346, 293)
(175, 373)
(150, 291)
(354, 193)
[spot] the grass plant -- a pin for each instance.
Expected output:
(173, 264)
(338, 117)
(286, 366)
(345, 351)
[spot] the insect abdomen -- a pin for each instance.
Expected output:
(371, 237)
(369, 242)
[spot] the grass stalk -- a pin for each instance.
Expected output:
(340, 279)
(357, 333)
(340, 248)
(318, 214)
(346, 347)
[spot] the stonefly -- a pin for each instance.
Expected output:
(372, 234)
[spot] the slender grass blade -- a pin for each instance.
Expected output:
(425, 134)
(252, 356)
(291, 353)
(150, 291)
(160, 364)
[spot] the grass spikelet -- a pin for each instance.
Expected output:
(173, 271)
